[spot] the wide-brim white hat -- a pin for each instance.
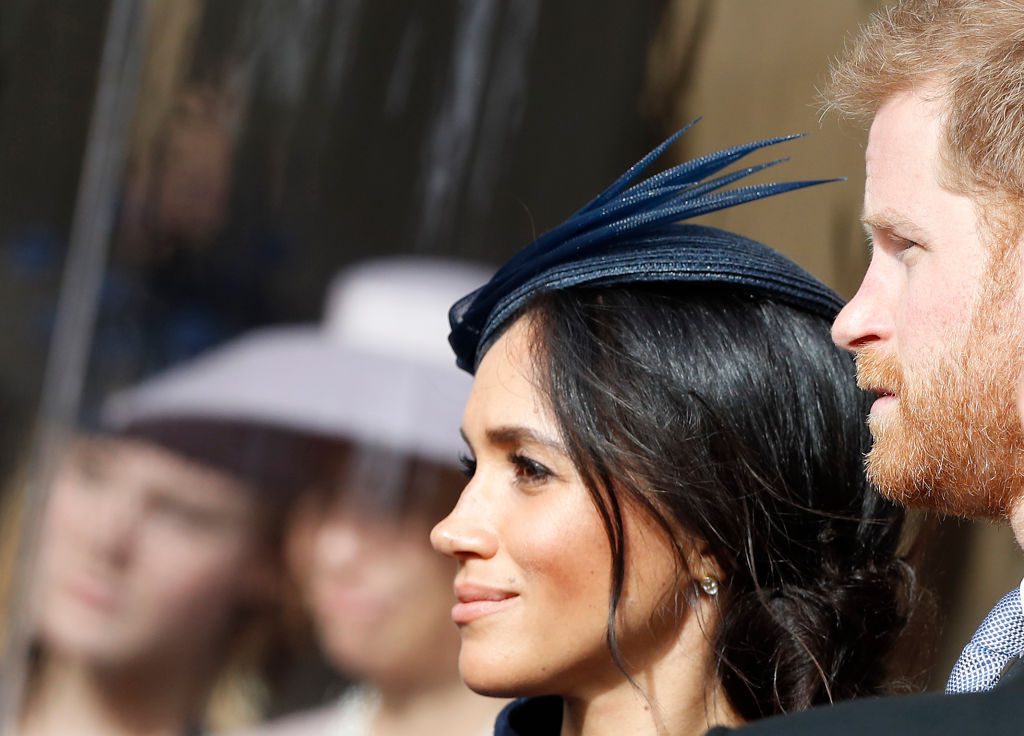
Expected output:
(378, 370)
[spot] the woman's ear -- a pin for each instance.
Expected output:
(705, 571)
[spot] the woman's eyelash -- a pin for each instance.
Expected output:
(529, 470)
(526, 469)
(468, 465)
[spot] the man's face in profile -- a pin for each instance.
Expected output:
(935, 326)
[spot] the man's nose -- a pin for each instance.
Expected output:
(866, 319)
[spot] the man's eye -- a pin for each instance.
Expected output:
(900, 243)
(468, 465)
(904, 248)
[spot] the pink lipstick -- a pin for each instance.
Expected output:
(477, 601)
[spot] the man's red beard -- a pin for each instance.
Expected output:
(952, 441)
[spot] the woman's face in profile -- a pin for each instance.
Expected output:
(144, 553)
(534, 560)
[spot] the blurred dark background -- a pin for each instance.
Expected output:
(273, 142)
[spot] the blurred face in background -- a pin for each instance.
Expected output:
(145, 554)
(379, 596)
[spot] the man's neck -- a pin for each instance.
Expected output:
(1017, 522)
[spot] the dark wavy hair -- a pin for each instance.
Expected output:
(733, 419)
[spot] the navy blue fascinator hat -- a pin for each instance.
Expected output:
(630, 233)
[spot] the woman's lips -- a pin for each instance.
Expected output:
(352, 602)
(477, 601)
(95, 595)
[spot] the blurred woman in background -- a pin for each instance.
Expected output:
(380, 601)
(374, 395)
(358, 546)
(156, 590)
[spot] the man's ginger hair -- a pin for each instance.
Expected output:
(968, 53)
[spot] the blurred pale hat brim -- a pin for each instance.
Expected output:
(333, 380)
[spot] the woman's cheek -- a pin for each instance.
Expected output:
(68, 513)
(65, 535)
(567, 551)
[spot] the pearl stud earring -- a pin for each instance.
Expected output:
(709, 585)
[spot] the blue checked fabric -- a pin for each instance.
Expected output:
(999, 639)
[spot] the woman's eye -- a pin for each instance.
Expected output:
(468, 465)
(528, 470)
(90, 471)
(187, 516)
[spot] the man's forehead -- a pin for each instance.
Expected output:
(906, 130)
(903, 166)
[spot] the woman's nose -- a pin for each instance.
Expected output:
(114, 527)
(338, 541)
(464, 533)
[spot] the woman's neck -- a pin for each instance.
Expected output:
(626, 712)
(68, 696)
(446, 706)
(673, 695)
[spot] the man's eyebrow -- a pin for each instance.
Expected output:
(515, 435)
(893, 222)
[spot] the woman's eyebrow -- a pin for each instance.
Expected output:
(513, 435)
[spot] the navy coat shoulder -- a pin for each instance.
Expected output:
(999, 712)
(996, 713)
(530, 717)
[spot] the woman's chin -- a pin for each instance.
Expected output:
(495, 677)
(493, 689)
